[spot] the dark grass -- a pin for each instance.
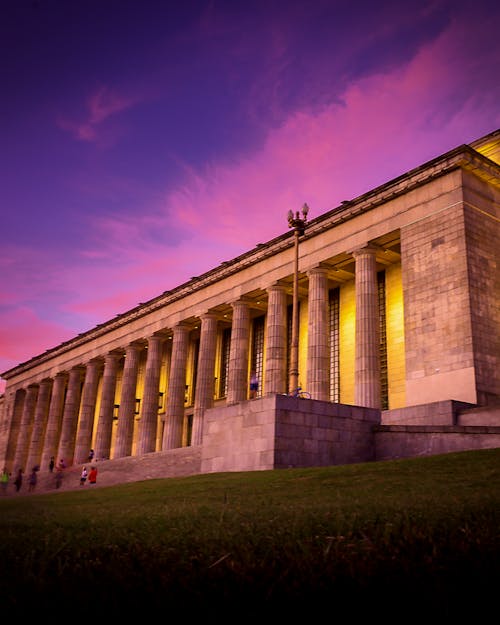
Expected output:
(400, 540)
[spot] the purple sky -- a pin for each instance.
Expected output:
(143, 142)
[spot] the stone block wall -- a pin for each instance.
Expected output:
(239, 437)
(438, 332)
(393, 441)
(482, 231)
(278, 431)
(316, 433)
(436, 413)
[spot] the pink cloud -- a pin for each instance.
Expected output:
(23, 335)
(387, 124)
(100, 106)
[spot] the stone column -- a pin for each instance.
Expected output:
(126, 411)
(53, 431)
(204, 395)
(70, 416)
(318, 356)
(172, 434)
(87, 416)
(14, 403)
(24, 435)
(102, 444)
(367, 359)
(39, 424)
(148, 424)
(276, 333)
(238, 353)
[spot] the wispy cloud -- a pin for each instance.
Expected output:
(387, 124)
(99, 107)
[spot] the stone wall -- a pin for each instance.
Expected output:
(438, 332)
(482, 234)
(410, 441)
(435, 413)
(278, 431)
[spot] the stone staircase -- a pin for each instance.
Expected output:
(173, 463)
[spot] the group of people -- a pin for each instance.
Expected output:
(90, 475)
(85, 475)
(19, 479)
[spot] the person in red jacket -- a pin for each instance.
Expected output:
(93, 475)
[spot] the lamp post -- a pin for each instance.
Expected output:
(298, 223)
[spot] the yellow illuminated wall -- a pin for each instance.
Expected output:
(303, 323)
(96, 412)
(347, 343)
(139, 394)
(395, 336)
(118, 392)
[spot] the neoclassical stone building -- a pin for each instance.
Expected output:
(397, 302)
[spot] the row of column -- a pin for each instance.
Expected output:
(58, 415)
(367, 390)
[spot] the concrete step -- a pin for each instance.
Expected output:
(173, 463)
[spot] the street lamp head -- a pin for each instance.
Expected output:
(295, 221)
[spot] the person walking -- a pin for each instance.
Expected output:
(32, 480)
(18, 482)
(59, 476)
(254, 385)
(52, 464)
(83, 476)
(91, 455)
(93, 475)
(4, 480)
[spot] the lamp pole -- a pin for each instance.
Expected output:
(298, 224)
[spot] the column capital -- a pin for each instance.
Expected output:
(77, 369)
(318, 270)
(98, 361)
(209, 315)
(278, 286)
(181, 326)
(241, 301)
(135, 346)
(370, 249)
(156, 338)
(114, 354)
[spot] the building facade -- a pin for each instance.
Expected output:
(397, 295)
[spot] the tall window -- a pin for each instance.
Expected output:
(384, 378)
(224, 362)
(192, 392)
(257, 359)
(333, 310)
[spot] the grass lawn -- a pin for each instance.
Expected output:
(400, 541)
